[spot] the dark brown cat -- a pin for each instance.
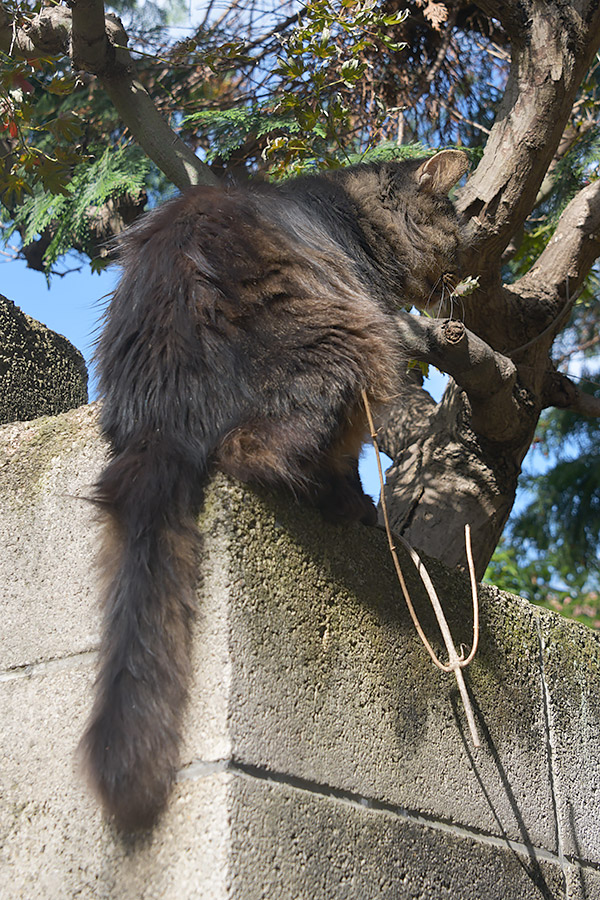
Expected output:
(245, 325)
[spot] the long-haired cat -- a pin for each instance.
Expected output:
(246, 323)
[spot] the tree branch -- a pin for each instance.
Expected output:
(487, 377)
(97, 44)
(97, 35)
(571, 135)
(552, 47)
(47, 33)
(561, 392)
(561, 269)
(91, 49)
(447, 344)
(510, 13)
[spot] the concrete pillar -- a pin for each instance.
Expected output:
(41, 372)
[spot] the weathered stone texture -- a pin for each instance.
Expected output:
(324, 756)
(41, 372)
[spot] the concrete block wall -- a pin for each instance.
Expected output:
(41, 372)
(324, 757)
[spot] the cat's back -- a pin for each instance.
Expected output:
(234, 239)
(222, 218)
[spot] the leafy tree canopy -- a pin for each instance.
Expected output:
(257, 88)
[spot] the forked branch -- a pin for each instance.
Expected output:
(487, 377)
(562, 267)
(549, 61)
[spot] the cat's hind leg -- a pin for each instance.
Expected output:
(319, 464)
(341, 497)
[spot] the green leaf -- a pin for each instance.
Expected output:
(352, 71)
(67, 126)
(61, 84)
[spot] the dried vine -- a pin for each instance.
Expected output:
(456, 662)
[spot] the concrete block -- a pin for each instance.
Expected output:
(331, 683)
(41, 372)
(292, 844)
(324, 756)
(48, 537)
(571, 674)
(582, 883)
(54, 843)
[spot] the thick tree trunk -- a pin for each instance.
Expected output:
(445, 476)
(457, 462)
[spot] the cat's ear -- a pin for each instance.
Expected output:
(441, 172)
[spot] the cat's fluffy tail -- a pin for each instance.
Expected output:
(149, 494)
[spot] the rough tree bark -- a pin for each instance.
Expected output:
(456, 461)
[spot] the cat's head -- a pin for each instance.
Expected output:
(430, 223)
(411, 224)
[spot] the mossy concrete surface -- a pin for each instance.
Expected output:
(41, 372)
(324, 756)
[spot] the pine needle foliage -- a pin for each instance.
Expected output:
(229, 129)
(550, 552)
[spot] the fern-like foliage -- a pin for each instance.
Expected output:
(229, 129)
(70, 216)
(388, 150)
